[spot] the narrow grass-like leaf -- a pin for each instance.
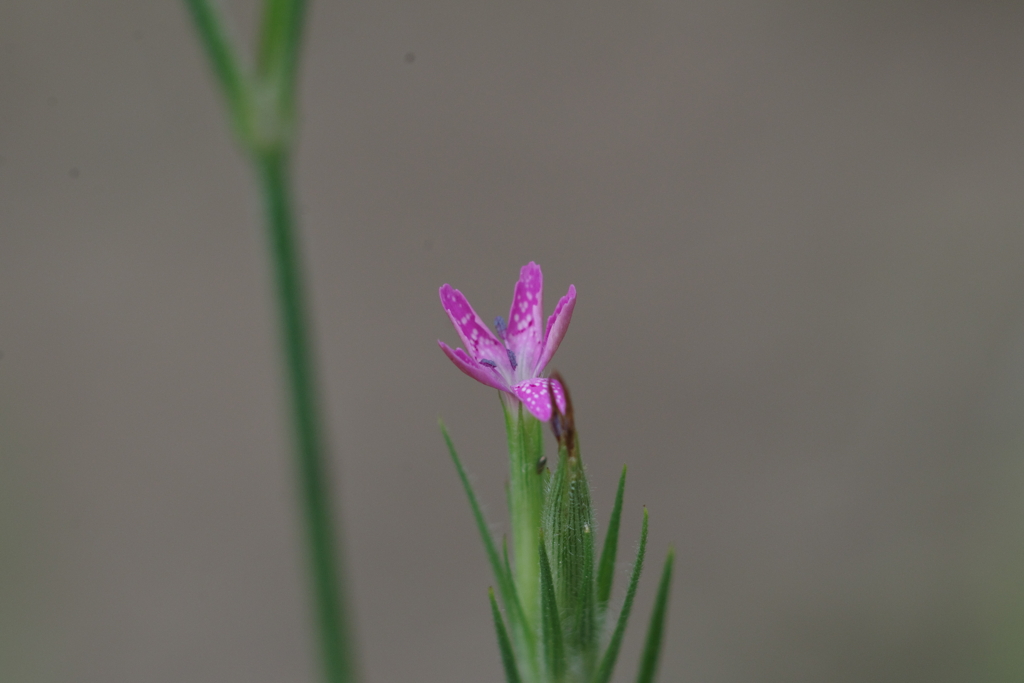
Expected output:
(504, 580)
(517, 606)
(227, 66)
(504, 556)
(273, 36)
(604, 671)
(656, 629)
(551, 625)
(507, 657)
(279, 41)
(506, 586)
(606, 572)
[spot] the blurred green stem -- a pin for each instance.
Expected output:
(261, 107)
(335, 632)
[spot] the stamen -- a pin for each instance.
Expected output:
(512, 358)
(488, 363)
(500, 327)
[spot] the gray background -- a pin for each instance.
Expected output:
(796, 232)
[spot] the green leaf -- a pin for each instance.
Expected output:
(507, 657)
(517, 607)
(504, 556)
(606, 573)
(656, 629)
(273, 37)
(227, 66)
(604, 671)
(280, 37)
(505, 585)
(554, 650)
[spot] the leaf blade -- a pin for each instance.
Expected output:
(504, 581)
(226, 65)
(554, 649)
(656, 627)
(508, 658)
(279, 39)
(524, 635)
(606, 571)
(604, 671)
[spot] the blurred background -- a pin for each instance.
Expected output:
(797, 232)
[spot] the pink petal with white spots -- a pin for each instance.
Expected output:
(535, 396)
(481, 373)
(479, 340)
(558, 323)
(526, 317)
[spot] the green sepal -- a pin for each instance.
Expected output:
(569, 539)
(586, 617)
(506, 586)
(606, 571)
(656, 628)
(551, 623)
(507, 656)
(611, 653)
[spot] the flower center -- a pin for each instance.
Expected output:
(502, 329)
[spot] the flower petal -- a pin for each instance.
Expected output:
(558, 323)
(481, 373)
(536, 396)
(525, 318)
(479, 340)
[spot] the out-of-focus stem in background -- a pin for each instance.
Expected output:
(261, 107)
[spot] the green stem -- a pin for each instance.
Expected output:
(261, 109)
(525, 500)
(325, 560)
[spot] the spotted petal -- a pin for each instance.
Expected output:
(526, 317)
(480, 342)
(481, 373)
(558, 323)
(536, 397)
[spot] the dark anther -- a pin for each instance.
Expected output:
(499, 325)
(488, 363)
(512, 358)
(540, 463)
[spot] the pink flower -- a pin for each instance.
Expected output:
(513, 359)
